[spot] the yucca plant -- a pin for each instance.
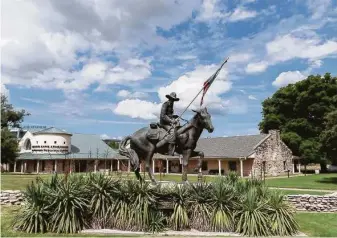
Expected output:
(200, 208)
(100, 190)
(157, 222)
(281, 215)
(34, 216)
(179, 219)
(224, 203)
(68, 205)
(252, 216)
(232, 178)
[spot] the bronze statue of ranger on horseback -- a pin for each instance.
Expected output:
(167, 137)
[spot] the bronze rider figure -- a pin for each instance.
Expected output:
(169, 121)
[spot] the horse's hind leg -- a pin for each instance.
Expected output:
(148, 167)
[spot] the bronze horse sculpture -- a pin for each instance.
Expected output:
(143, 143)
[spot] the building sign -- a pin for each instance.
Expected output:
(50, 148)
(34, 127)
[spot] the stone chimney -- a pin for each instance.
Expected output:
(275, 133)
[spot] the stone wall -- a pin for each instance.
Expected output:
(11, 197)
(327, 203)
(274, 154)
(316, 203)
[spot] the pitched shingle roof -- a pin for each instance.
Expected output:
(230, 147)
(51, 130)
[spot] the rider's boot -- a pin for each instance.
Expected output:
(171, 148)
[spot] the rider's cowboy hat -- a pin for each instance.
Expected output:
(172, 96)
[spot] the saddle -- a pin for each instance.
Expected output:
(154, 131)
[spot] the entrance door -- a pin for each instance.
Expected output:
(232, 165)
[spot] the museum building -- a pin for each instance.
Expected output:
(51, 150)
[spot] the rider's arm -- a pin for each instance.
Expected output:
(163, 115)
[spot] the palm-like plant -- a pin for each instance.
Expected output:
(143, 201)
(223, 202)
(282, 220)
(68, 206)
(34, 217)
(200, 208)
(179, 219)
(252, 215)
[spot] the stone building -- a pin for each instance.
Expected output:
(250, 155)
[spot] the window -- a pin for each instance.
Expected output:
(28, 145)
(37, 142)
(45, 142)
(204, 165)
(64, 142)
(284, 165)
(54, 142)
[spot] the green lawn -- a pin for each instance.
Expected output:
(319, 181)
(315, 181)
(312, 224)
(318, 224)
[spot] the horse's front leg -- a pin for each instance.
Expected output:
(186, 155)
(200, 159)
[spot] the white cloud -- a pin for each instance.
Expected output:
(240, 57)
(242, 91)
(186, 86)
(209, 10)
(136, 108)
(33, 100)
(186, 57)
(241, 14)
(318, 8)
(258, 67)
(105, 136)
(251, 97)
(4, 91)
(287, 47)
(58, 32)
(288, 77)
(128, 94)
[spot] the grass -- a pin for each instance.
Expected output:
(318, 224)
(312, 224)
(315, 181)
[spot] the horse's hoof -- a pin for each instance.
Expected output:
(154, 182)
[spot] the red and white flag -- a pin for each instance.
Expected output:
(209, 82)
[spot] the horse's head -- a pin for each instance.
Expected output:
(204, 119)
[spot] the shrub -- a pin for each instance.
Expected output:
(224, 204)
(282, 220)
(34, 216)
(179, 219)
(200, 207)
(69, 204)
(101, 192)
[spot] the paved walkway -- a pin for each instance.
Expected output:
(306, 189)
(191, 233)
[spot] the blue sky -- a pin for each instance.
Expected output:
(104, 67)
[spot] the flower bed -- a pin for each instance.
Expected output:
(73, 203)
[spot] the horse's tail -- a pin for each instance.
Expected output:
(129, 153)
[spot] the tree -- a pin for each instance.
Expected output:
(9, 118)
(303, 114)
(328, 137)
(114, 144)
